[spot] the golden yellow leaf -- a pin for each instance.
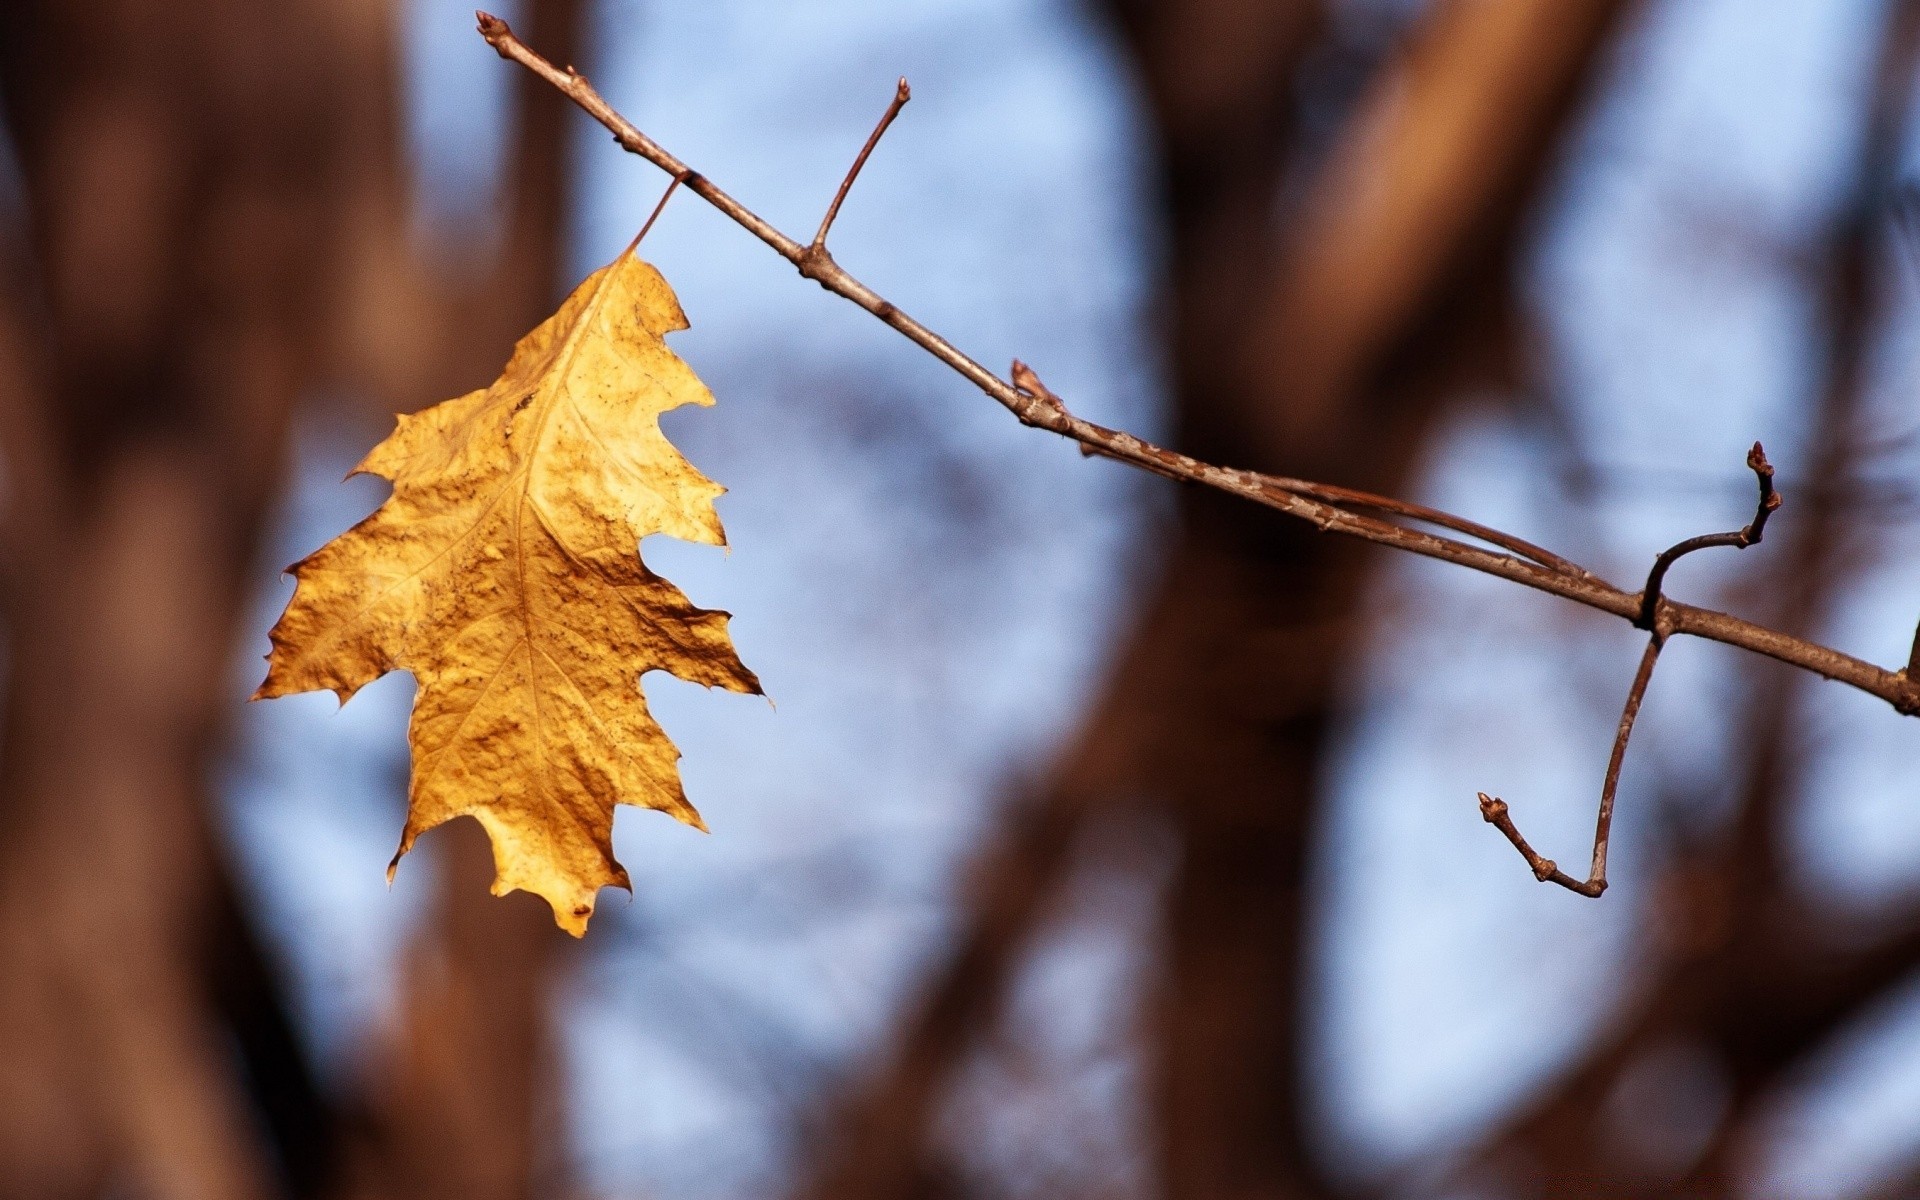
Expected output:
(504, 572)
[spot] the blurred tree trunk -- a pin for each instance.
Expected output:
(160, 300)
(214, 221)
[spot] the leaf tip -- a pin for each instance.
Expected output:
(571, 916)
(272, 687)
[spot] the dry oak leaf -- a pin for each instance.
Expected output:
(504, 572)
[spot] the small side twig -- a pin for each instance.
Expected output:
(1739, 539)
(901, 94)
(1353, 498)
(1494, 811)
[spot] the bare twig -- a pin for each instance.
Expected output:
(1042, 409)
(901, 95)
(1544, 869)
(1739, 539)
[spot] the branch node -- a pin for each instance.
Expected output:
(1042, 407)
(1494, 812)
(815, 263)
(901, 94)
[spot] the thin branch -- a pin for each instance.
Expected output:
(1739, 539)
(1544, 869)
(901, 95)
(1495, 811)
(1040, 408)
(1025, 380)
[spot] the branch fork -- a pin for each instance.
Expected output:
(1655, 619)
(1496, 814)
(1739, 539)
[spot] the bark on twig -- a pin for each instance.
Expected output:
(901, 95)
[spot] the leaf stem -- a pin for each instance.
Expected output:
(673, 185)
(1544, 869)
